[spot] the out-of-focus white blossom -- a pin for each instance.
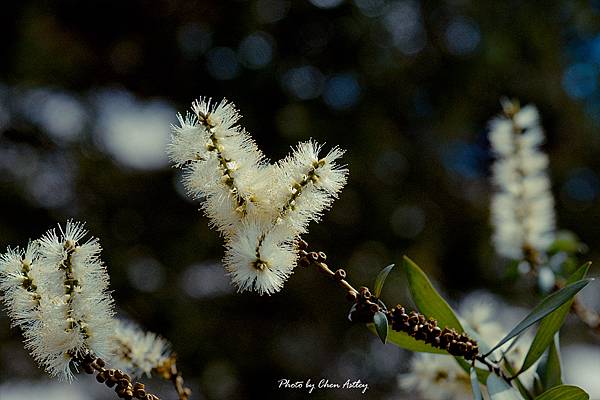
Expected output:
(260, 208)
(439, 377)
(18, 282)
(436, 377)
(581, 367)
(62, 301)
(522, 207)
(136, 351)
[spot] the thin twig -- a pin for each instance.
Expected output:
(168, 370)
(318, 259)
(423, 329)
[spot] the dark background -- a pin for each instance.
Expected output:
(88, 91)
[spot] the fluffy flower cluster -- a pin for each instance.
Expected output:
(56, 291)
(523, 206)
(260, 208)
(439, 377)
(137, 352)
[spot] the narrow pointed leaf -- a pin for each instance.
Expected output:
(551, 370)
(551, 324)
(522, 389)
(564, 392)
(475, 385)
(381, 325)
(380, 280)
(427, 299)
(538, 388)
(517, 382)
(500, 390)
(404, 341)
(545, 307)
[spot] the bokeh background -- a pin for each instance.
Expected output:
(88, 91)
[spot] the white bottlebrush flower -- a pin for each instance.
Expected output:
(306, 184)
(260, 257)
(439, 377)
(260, 208)
(74, 314)
(136, 351)
(522, 207)
(220, 161)
(18, 283)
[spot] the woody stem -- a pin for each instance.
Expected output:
(123, 385)
(177, 380)
(339, 275)
(168, 371)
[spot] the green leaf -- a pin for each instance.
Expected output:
(380, 280)
(538, 388)
(551, 324)
(475, 385)
(427, 299)
(404, 341)
(522, 389)
(545, 307)
(551, 371)
(430, 303)
(500, 390)
(564, 392)
(517, 382)
(381, 325)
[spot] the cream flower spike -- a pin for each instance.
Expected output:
(18, 282)
(72, 311)
(261, 257)
(220, 161)
(260, 208)
(522, 209)
(306, 185)
(138, 352)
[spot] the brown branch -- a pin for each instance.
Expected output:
(124, 386)
(168, 370)
(318, 259)
(413, 323)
